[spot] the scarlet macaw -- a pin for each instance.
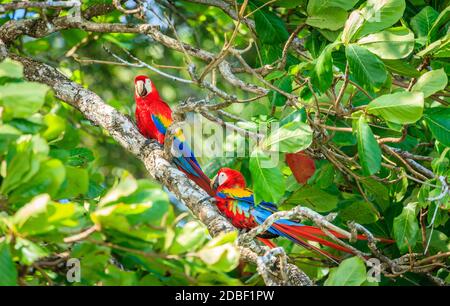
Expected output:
(153, 117)
(236, 202)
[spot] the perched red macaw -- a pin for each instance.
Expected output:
(153, 117)
(236, 202)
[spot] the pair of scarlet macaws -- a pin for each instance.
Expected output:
(233, 199)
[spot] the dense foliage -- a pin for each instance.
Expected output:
(370, 82)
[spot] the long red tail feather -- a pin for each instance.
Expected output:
(318, 232)
(267, 242)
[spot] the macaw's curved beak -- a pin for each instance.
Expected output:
(215, 183)
(140, 88)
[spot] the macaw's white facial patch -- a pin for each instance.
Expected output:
(222, 178)
(148, 86)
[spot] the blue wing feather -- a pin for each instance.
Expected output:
(184, 156)
(159, 124)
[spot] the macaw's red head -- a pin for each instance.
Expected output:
(228, 178)
(143, 86)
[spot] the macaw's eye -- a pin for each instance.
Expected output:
(222, 178)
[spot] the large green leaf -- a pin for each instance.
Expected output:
(328, 18)
(351, 272)
(22, 165)
(48, 180)
(220, 253)
(431, 82)
(400, 107)
(42, 216)
(380, 14)
(188, 238)
(439, 24)
(22, 99)
(314, 198)
(352, 25)
(268, 181)
(289, 138)
(11, 69)
(269, 27)
(406, 228)
(128, 221)
(423, 21)
(285, 84)
(56, 126)
(76, 183)
(322, 75)
(365, 67)
(439, 49)
(8, 272)
(401, 67)
(359, 211)
(394, 43)
(368, 148)
(438, 120)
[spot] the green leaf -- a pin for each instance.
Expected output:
(80, 157)
(11, 69)
(8, 134)
(423, 21)
(365, 67)
(126, 187)
(42, 216)
(220, 253)
(438, 120)
(22, 165)
(269, 27)
(290, 3)
(360, 211)
(441, 21)
(319, 5)
(352, 25)
(351, 272)
(22, 99)
(439, 49)
(328, 18)
(48, 180)
(7, 267)
(378, 191)
(76, 183)
(400, 107)
(393, 43)
(406, 228)
(379, 15)
(285, 84)
(313, 197)
(29, 251)
(188, 238)
(401, 67)
(128, 221)
(56, 126)
(368, 148)
(289, 138)
(268, 181)
(431, 82)
(322, 75)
